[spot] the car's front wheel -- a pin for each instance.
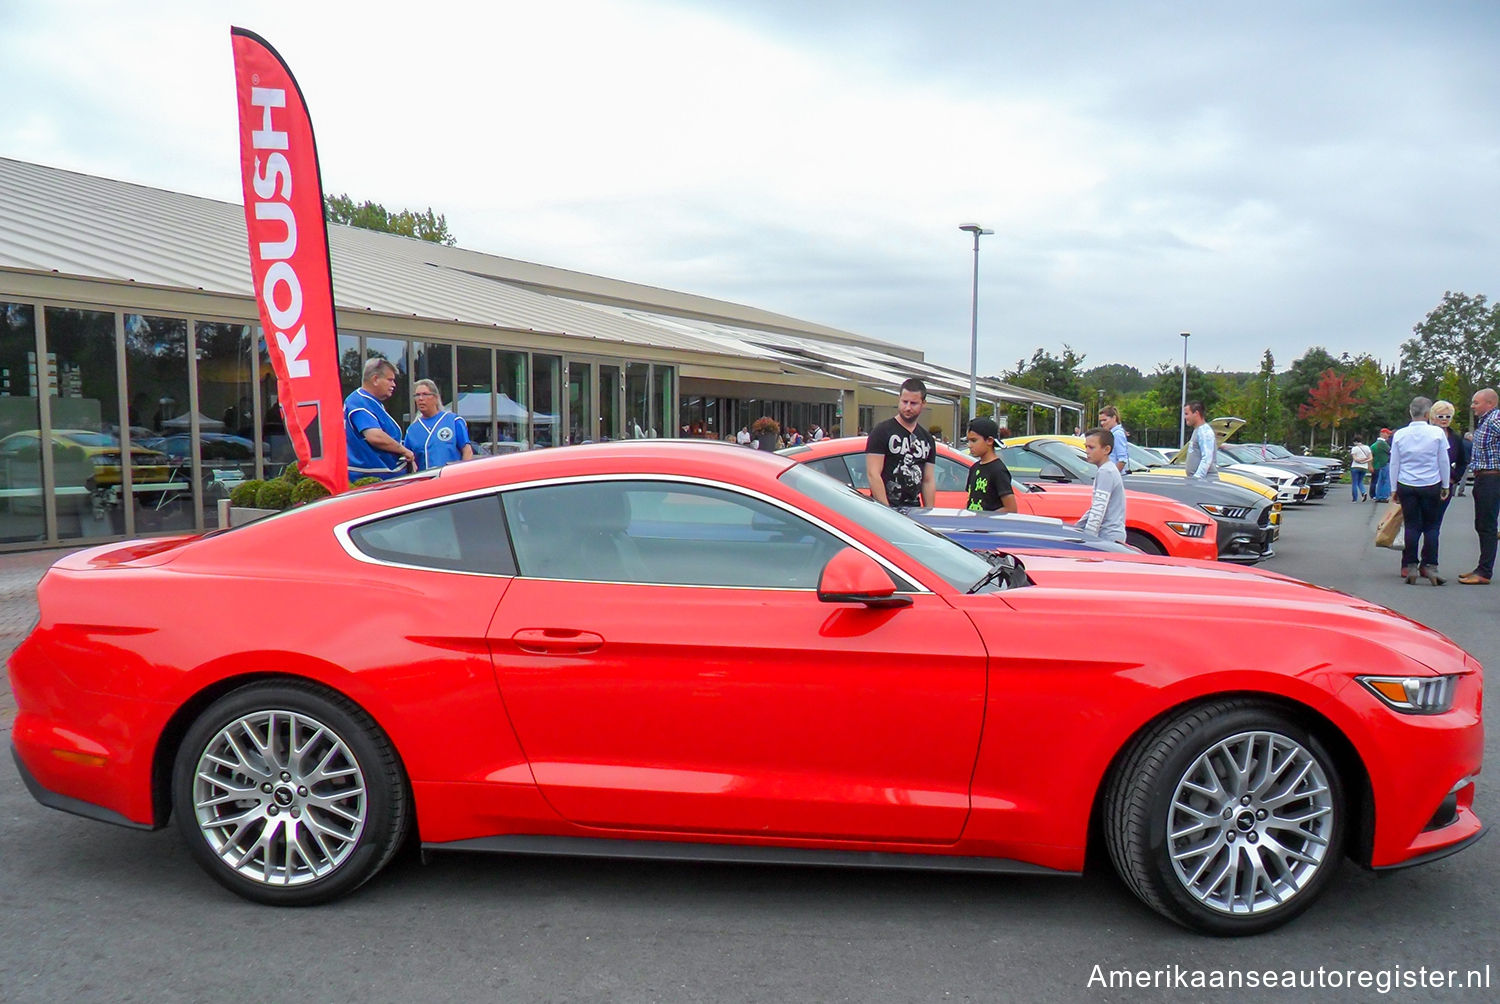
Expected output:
(1228, 818)
(288, 794)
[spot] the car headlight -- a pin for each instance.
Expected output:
(1225, 511)
(1188, 529)
(1414, 695)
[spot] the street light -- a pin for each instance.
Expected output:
(1182, 421)
(1100, 407)
(977, 231)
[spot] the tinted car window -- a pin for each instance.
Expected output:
(465, 536)
(834, 467)
(664, 533)
(951, 475)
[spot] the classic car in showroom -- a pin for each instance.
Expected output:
(695, 651)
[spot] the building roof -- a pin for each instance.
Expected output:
(84, 226)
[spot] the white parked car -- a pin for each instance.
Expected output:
(1290, 488)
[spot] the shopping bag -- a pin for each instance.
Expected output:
(1390, 526)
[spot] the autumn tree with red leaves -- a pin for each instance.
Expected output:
(1332, 402)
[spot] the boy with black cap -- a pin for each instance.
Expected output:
(989, 480)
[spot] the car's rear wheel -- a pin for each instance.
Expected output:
(1142, 541)
(1228, 818)
(288, 794)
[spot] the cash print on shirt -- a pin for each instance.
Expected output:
(905, 454)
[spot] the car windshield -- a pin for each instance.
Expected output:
(83, 438)
(955, 564)
(1144, 457)
(1279, 452)
(1238, 453)
(1069, 458)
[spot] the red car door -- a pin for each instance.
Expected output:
(668, 666)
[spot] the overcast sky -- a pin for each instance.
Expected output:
(1263, 175)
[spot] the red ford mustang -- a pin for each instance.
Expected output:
(698, 651)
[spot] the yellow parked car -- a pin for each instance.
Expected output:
(100, 449)
(1228, 477)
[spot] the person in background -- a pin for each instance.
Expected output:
(1359, 468)
(989, 485)
(1203, 445)
(1380, 463)
(1109, 418)
(436, 437)
(1485, 460)
(1106, 515)
(743, 436)
(1419, 474)
(371, 436)
(1441, 416)
(899, 454)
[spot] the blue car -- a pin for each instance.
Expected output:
(997, 531)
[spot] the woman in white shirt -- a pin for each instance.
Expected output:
(1420, 474)
(1359, 466)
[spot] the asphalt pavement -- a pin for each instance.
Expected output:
(93, 913)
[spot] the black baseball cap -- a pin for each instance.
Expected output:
(986, 427)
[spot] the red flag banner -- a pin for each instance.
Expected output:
(289, 262)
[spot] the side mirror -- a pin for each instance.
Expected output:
(852, 576)
(1052, 472)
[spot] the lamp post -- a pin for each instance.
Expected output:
(1182, 420)
(977, 231)
(1100, 407)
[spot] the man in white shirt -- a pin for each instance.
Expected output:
(1203, 445)
(1419, 476)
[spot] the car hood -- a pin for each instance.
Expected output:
(1194, 490)
(1266, 603)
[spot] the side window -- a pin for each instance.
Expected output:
(663, 533)
(464, 536)
(834, 467)
(1021, 461)
(859, 476)
(951, 475)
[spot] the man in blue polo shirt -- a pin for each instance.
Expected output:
(437, 437)
(372, 437)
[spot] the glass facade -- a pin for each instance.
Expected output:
(23, 512)
(193, 404)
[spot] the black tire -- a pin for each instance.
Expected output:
(344, 797)
(1141, 804)
(1143, 541)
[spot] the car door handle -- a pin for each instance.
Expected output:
(557, 641)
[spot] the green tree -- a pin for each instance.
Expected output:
(1461, 334)
(1200, 387)
(1116, 380)
(1050, 374)
(368, 215)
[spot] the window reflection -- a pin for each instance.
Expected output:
(546, 397)
(84, 400)
(609, 403)
(637, 400)
(513, 419)
(474, 397)
(226, 388)
(579, 403)
(22, 515)
(156, 372)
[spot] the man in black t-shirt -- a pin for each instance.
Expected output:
(899, 454)
(989, 484)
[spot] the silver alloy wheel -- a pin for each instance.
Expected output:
(279, 797)
(1250, 823)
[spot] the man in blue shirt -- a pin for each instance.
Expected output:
(372, 437)
(436, 437)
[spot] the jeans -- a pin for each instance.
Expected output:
(1422, 509)
(1382, 489)
(1357, 482)
(1486, 509)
